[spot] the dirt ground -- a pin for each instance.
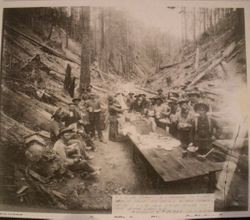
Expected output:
(121, 175)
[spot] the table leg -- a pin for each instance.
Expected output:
(211, 182)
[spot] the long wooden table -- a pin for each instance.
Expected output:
(170, 165)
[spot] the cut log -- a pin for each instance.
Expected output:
(43, 47)
(36, 115)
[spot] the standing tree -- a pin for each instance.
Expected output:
(85, 52)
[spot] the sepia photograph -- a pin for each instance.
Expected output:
(101, 101)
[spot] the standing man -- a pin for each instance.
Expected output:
(204, 128)
(184, 119)
(94, 110)
(160, 94)
(137, 104)
(173, 109)
(161, 112)
(130, 99)
(114, 110)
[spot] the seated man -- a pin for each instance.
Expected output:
(71, 153)
(56, 125)
(74, 115)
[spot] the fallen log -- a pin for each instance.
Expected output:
(146, 90)
(21, 47)
(43, 47)
(36, 115)
(100, 89)
(168, 65)
(12, 132)
(201, 75)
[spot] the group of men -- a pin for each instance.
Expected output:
(73, 131)
(184, 115)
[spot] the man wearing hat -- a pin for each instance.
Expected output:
(56, 125)
(160, 94)
(114, 110)
(70, 154)
(161, 111)
(94, 109)
(130, 99)
(204, 128)
(194, 97)
(172, 102)
(137, 104)
(145, 101)
(74, 114)
(184, 119)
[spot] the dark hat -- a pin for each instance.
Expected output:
(158, 98)
(159, 90)
(76, 100)
(181, 101)
(110, 98)
(56, 112)
(66, 130)
(201, 105)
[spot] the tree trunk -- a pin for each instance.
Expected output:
(204, 20)
(185, 24)
(85, 52)
(194, 26)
